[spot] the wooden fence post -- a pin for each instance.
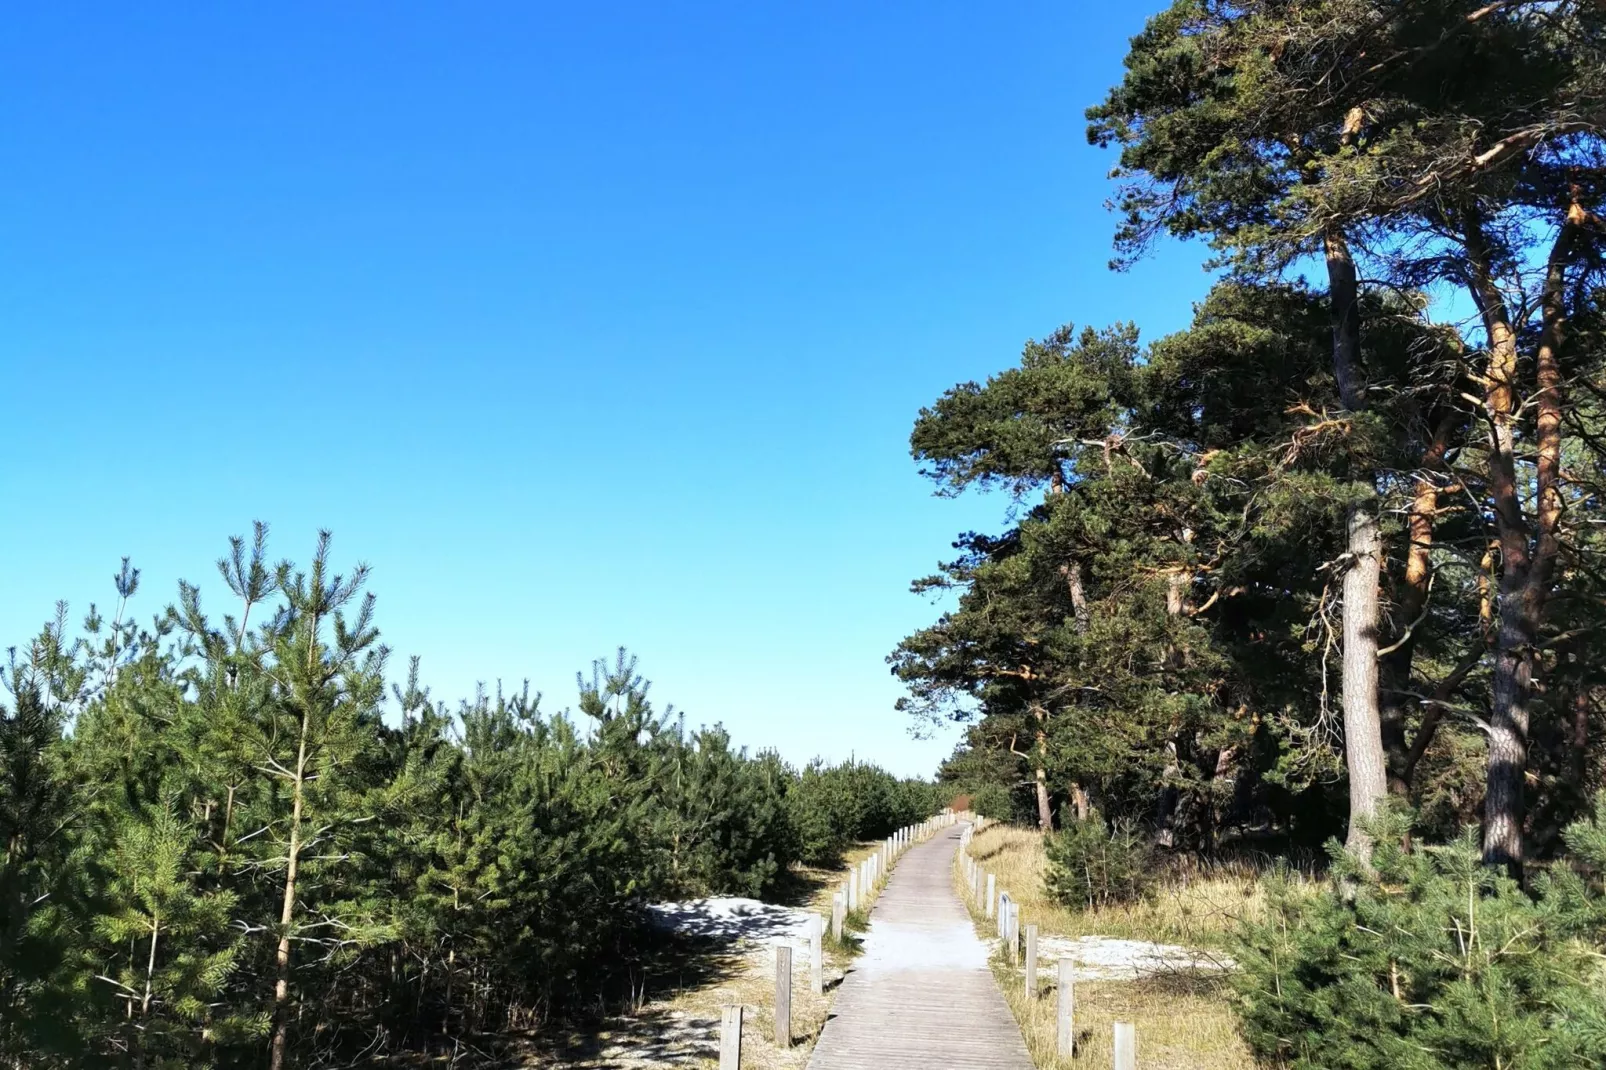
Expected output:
(1126, 1046)
(992, 894)
(839, 909)
(1066, 1016)
(816, 954)
(783, 995)
(730, 1038)
(1031, 962)
(853, 888)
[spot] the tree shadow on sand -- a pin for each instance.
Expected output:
(669, 964)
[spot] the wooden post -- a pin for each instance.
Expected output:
(1067, 1009)
(1031, 962)
(992, 894)
(783, 995)
(816, 954)
(1126, 1046)
(839, 910)
(730, 1038)
(853, 888)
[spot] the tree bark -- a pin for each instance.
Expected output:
(1527, 555)
(1412, 601)
(1165, 816)
(1080, 801)
(1073, 583)
(1363, 732)
(1079, 611)
(1165, 811)
(1580, 740)
(1045, 811)
(281, 986)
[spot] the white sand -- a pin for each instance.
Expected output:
(1104, 958)
(737, 920)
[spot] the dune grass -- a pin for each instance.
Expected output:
(1195, 907)
(1184, 1020)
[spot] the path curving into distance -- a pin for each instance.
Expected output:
(921, 996)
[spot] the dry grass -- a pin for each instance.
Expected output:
(1196, 908)
(1184, 1020)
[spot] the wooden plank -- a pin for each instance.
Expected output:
(922, 996)
(730, 1038)
(1031, 962)
(783, 995)
(1066, 1011)
(1126, 1046)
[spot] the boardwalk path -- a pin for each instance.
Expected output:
(922, 995)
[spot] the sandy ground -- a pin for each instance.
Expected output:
(681, 1029)
(1105, 958)
(745, 921)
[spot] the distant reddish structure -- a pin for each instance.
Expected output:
(959, 803)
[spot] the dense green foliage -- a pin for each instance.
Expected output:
(1334, 551)
(1092, 863)
(834, 806)
(1159, 628)
(1429, 960)
(220, 853)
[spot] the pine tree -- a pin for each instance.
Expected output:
(36, 812)
(173, 946)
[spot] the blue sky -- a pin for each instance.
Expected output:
(583, 325)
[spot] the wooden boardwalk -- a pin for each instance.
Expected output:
(921, 996)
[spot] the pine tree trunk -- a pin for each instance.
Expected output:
(281, 986)
(1527, 557)
(1166, 810)
(1363, 731)
(1413, 599)
(1073, 584)
(1580, 740)
(1045, 812)
(1080, 801)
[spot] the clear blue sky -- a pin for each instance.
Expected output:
(584, 325)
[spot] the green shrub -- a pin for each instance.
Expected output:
(1092, 864)
(831, 807)
(1429, 961)
(993, 801)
